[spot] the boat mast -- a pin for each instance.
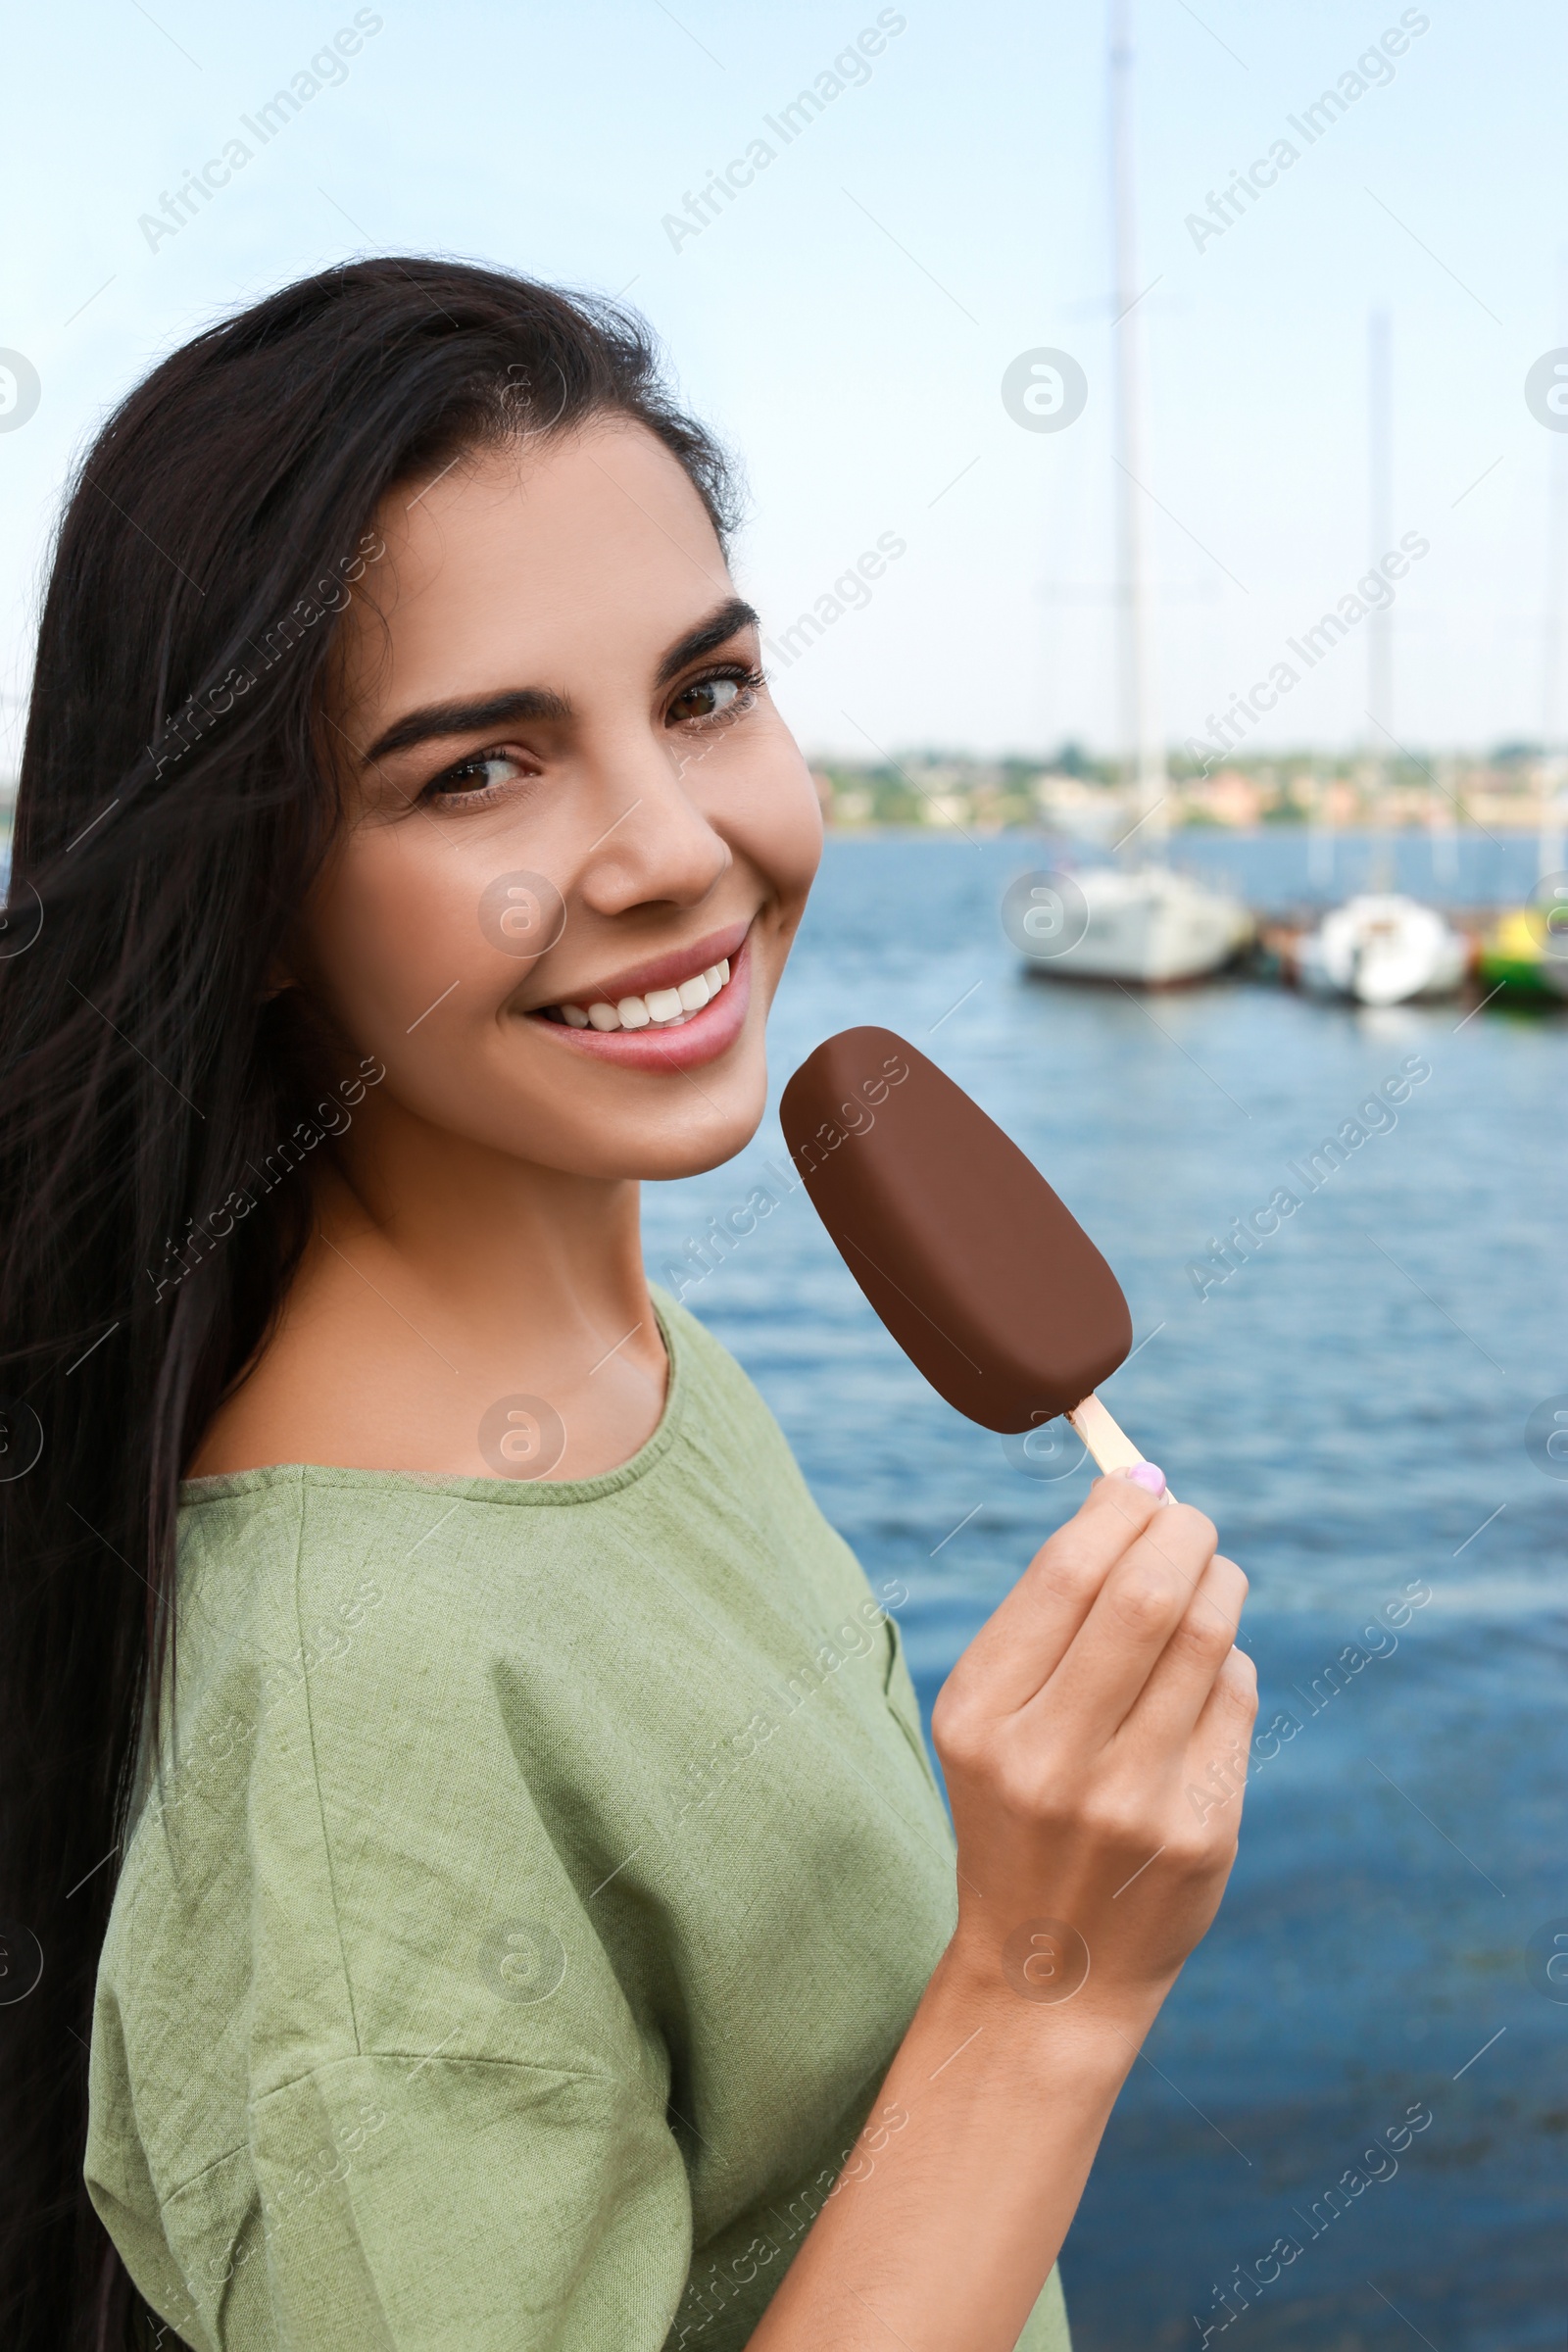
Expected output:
(1549, 851)
(1140, 716)
(1380, 521)
(1380, 528)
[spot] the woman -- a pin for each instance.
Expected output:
(498, 1878)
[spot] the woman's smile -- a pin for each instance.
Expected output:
(671, 1013)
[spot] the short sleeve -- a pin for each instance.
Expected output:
(420, 2205)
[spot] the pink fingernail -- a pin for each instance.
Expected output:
(1148, 1475)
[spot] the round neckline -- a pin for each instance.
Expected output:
(549, 1494)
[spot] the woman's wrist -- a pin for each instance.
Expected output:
(1036, 1995)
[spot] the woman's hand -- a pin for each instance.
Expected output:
(1094, 1737)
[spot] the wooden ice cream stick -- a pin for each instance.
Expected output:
(1109, 1444)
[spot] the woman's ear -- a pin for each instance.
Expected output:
(278, 979)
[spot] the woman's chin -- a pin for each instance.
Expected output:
(660, 1144)
(706, 1144)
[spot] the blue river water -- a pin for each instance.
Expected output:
(1351, 1405)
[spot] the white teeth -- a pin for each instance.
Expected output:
(661, 1007)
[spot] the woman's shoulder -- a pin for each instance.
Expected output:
(719, 1400)
(285, 1564)
(278, 1565)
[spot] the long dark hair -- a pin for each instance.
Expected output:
(174, 805)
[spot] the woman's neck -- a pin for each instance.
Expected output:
(456, 1310)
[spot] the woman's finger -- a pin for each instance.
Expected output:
(1023, 1643)
(1167, 1708)
(1138, 1607)
(1218, 1749)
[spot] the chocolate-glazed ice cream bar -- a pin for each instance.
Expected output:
(988, 1282)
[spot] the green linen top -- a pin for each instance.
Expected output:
(532, 1885)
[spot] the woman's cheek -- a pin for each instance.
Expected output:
(396, 937)
(775, 822)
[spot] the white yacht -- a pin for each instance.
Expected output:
(1148, 926)
(1383, 949)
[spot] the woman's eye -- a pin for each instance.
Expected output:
(707, 698)
(481, 772)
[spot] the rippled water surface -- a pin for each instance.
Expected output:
(1351, 1405)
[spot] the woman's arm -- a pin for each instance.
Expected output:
(1094, 1736)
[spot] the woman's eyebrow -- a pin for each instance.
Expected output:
(523, 703)
(467, 718)
(715, 632)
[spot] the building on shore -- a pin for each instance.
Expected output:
(1512, 790)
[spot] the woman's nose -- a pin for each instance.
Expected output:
(656, 845)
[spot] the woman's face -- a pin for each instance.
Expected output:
(573, 809)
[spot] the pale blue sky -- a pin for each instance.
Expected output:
(846, 323)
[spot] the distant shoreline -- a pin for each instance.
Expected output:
(1274, 830)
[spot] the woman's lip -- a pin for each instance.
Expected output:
(702, 1037)
(659, 972)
